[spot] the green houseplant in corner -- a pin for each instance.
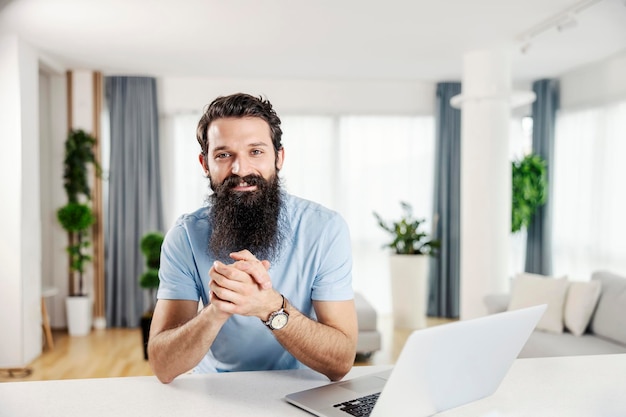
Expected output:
(411, 248)
(76, 217)
(151, 248)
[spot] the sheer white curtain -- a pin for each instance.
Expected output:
(361, 164)
(310, 148)
(184, 186)
(382, 161)
(589, 194)
(352, 164)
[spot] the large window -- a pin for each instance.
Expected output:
(184, 186)
(352, 164)
(589, 195)
(361, 164)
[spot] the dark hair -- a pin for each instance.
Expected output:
(239, 105)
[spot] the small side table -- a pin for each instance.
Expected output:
(45, 319)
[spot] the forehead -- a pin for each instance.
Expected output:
(238, 131)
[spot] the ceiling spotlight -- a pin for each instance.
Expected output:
(569, 23)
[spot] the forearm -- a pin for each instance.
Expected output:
(175, 351)
(323, 348)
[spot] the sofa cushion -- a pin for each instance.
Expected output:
(366, 315)
(609, 320)
(580, 302)
(368, 341)
(496, 303)
(545, 344)
(532, 289)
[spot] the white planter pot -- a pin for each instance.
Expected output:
(78, 315)
(409, 290)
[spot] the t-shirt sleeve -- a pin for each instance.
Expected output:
(178, 272)
(334, 279)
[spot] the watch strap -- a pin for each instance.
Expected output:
(277, 312)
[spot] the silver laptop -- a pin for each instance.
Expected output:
(439, 368)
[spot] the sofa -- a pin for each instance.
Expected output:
(369, 340)
(592, 314)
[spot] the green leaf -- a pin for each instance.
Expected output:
(150, 246)
(75, 217)
(407, 239)
(529, 189)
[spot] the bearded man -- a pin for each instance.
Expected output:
(273, 271)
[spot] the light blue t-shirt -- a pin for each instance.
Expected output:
(315, 263)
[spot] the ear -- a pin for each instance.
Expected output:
(280, 158)
(204, 164)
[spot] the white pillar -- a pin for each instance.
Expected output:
(485, 177)
(20, 223)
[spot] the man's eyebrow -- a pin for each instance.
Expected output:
(257, 144)
(220, 148)
(251, 145)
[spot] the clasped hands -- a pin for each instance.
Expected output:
(243, 287)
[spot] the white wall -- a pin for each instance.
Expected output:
(595, 84)
(53, 130)
(183, 95)
(20, 227)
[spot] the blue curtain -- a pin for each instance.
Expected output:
(134, 196)
(539, 240)
(444, 285)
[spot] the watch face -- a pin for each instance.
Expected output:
(279, 321)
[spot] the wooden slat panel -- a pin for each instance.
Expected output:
(98, 228)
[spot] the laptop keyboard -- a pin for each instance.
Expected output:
(359, 407)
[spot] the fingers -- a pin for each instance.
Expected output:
(247, 262)
(227, 281)
(234, 288)
(243, 255)
(236, 281)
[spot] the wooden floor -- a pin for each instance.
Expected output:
(118, 352)
(103, 353)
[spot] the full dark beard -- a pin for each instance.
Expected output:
(246, 220)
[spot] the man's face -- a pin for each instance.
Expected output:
(241, 147)
(243, 170)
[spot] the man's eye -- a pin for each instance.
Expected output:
(256, 152)
(222, 155)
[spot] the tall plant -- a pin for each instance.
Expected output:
(530, 188)
(76, 217)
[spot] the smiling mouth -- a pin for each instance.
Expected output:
(244, 186)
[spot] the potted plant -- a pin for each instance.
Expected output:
(151, 248)
(76, 217)
(529, 189)
(409, 267)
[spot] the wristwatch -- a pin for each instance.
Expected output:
(278, 319)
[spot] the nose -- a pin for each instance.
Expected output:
(240, 167)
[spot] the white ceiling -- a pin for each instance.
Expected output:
(319, 39)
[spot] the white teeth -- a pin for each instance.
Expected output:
(243, 184)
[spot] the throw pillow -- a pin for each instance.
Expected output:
(580, 302)
(533, 289)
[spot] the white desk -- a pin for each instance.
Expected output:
(587, 386)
